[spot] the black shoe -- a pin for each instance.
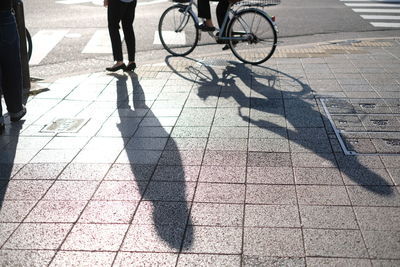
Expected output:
(226, 47)
(14, 117)
(2, 128)
(130, 67)
(205, 28)
(116, 68)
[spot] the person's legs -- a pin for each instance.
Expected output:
(10, 67)
(222, 8)
(127, 27)
(114, 15)
(205, 13)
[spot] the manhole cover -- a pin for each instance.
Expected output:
(65, 125)
(365, 126)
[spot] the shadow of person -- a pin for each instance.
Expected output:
(265, 97)
(8, 145)
(166, 191)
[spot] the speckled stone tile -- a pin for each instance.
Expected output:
(162, 213)
(272, 216)
(129, 172)
(6, 229)
(108, 212)
(26, 258)
(26, 190)
(280, 242)
(136, 259)
(386, 263)
(328, 217)
(56, 211)
(227, 174)
(40, 171)
(334, 243)
(265, 159)
(38, 236)
(184, 157)
(227, 158)
(322, 195)
(343, 262)
(374, 195)
(120, 190)
(83, 258)
(364, 176)
(82, 171)
(208, 260)
(222, 240)
(153, 238)
(270, 175)
(212, 214)
(220, 193)
(15, 210)
(170, 191)
(264, 261)
(271, 194)
(326, 160)
(318, 176)
(378, 218)
(71, 190)
(95, 237)
(383, 244)
(176, 173)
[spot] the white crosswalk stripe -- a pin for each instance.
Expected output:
(379, 13)
(44, 41)
(99, 43)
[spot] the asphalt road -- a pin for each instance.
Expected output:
(299, 21)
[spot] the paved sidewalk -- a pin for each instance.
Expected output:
(210, 162)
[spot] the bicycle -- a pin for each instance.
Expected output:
(251, 33)
(29, 46)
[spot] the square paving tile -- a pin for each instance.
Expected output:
(153, 238)
(15, 210)
(153, 132)
(9, 170)
(95, 237)
(264, 261)
(40, 171)
(229, 132)
(220, 193)
(176, 173)
(378, 218)
(270, 175)
(208, 260)
(386, 263)
(326, 160)
(162, 213)
(272, 216)
(83, 258)
(56, 211)
(185, 157)
(322, 195)
(34, 258)
(130, 172)
(374, 195)
(82, 171)
(227, 158)
(170, 191)
(221, 240)
(334, 243)
(186, 143)
(120, 190)
(364, 176)
(71, 190)
(328, 217)
(227, 144)
(383, 244)
(281, 242)
(139, 156)
(38, 236)
(26, 190)
(227, 174)
(108, 212)
(269, 145)
(135, 259)
(271, 194)
(6, 229)
(265, 159)
(268, 133)
(55, 156)
(310, 146)
(146, 143)
(190, 132)
(211, 214)
(343, 262)
(318, 176)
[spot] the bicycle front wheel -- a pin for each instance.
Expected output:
(253, 36)
(177, 31)
(28, 43)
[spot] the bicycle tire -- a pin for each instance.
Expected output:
(177, 31)
(246, 51)
(29, 45)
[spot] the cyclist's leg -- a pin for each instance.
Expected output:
(204, 11)
(222, 8)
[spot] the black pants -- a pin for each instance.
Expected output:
(125, 12)
(205, 13)
(10, 63)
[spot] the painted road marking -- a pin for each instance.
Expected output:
(170, 37)
(100, 43)
(44, 41)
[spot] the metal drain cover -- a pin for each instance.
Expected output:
(65, 125)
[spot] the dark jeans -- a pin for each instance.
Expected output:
(205, 13)
(10, 63)
(125, 12)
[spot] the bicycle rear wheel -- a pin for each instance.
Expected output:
(28, 43)
(255, 35)
(177, 31)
